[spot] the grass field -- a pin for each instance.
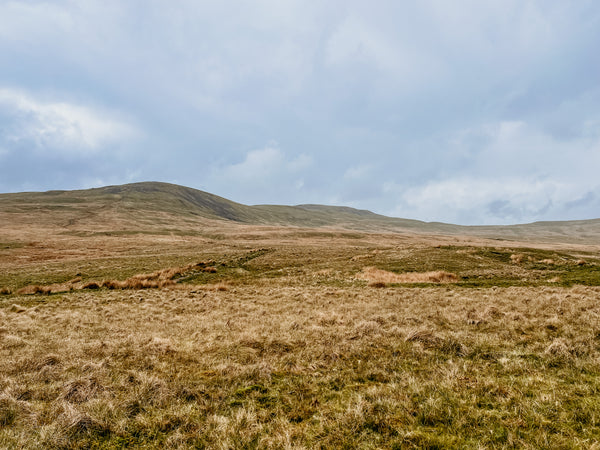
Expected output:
(283, 337)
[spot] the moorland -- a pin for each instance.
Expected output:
(157, 316)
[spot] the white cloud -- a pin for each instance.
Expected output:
(354, 41)
(59, 127)
(262, 164)
(521, 149)
(265, 175)
(509, 172)
(24, 19)
(300, 162)
(466, 200)
(383, 52)
(257, 166)
(359, 172)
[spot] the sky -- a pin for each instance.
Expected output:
(466, 111)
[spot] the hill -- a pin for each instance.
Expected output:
(154, 206)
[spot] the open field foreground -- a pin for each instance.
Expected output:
(289, 347)
(185, 332)
(275, 366)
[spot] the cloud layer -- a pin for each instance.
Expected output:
(65, 127)
(468, 112)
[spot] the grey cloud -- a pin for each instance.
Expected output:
(423, 93)
(585, 201)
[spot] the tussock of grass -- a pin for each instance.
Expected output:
(160, 278)
(424, 336)
(37, 289)
(517, 258)
(17, 308)
(377, 276)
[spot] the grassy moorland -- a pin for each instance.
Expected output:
(191, 332)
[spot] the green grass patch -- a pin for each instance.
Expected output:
(11, 245)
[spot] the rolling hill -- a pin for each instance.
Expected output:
(152, 205)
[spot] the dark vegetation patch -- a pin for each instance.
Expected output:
(11, 245)
(489, 266)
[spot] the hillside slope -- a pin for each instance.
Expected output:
(138, 206)
(141, 202)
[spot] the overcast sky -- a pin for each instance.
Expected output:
(466, 111)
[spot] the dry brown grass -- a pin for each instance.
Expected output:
(160, 278)
(374, 275)
(275, 344)
(517, 258)
(38, 289)
(301, 366)
(155, 280)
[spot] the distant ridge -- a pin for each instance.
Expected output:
(139, 204)
(185, 201)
